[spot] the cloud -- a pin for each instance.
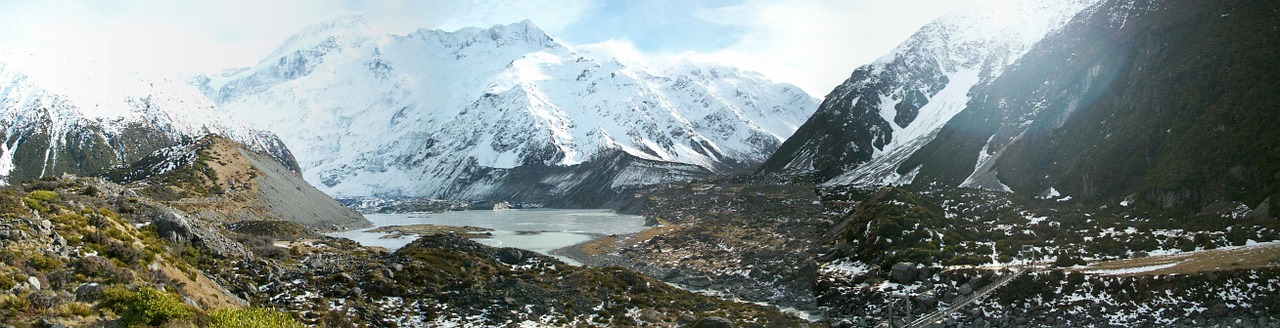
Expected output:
(164, 36)
(814, 44)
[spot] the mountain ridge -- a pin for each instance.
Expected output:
(420, 112)
(49, 129)
(888, 109)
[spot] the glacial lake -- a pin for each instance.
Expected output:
(556, 228)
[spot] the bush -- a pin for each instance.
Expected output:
(6, 283)
(33, 204)
(147, 306)
(252, 318)
(96, 267)
(43, 263)
(44, 196)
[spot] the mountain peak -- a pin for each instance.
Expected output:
(345, 31)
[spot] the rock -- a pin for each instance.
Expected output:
(346, 277)
(511, 256)
(686, 318)
(48, 323)
(713, 322)
(34, 283)
(977, 282)
(903, 272)
(176, 228)
(965, 289)
(88, 293)
(923, 273)
(927, 300)
(501, 205)
(698, 281)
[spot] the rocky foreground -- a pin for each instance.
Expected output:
(203, 243)
(858, 258)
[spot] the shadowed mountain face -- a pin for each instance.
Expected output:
(886, 110)
(1173, 102)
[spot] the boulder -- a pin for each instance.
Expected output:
(177, 228)
(698, 281)
(88, 293)
(977, 282)
(511, 256)
(713, 322)
(927, 300)
(923, 273)
(686, 318)
(904, 272)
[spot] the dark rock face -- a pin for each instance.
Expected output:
(848, 128)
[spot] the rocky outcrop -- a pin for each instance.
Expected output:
(176, 228)
(220, 179)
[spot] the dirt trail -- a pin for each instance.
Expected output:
(1259, 255)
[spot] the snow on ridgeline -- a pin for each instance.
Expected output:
(969, 48)
(64, 101)
(430, 112)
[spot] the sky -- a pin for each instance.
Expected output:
(814, 44)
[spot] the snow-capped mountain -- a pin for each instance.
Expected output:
(889, 109)
(467, 114)
(89, 121)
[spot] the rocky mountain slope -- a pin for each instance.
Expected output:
(221, 180)
(52, 124)
(1160, 102)
(469, 113)
(889, 109)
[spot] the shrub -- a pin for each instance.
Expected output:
(44, 196)
(33, 204)
(147, 306)
(43, 263)
(6, 283)
(95, 267)
(252, 318)
(14, 303)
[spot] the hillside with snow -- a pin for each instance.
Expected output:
(54, 120)
(887, 110)
(480, 112)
